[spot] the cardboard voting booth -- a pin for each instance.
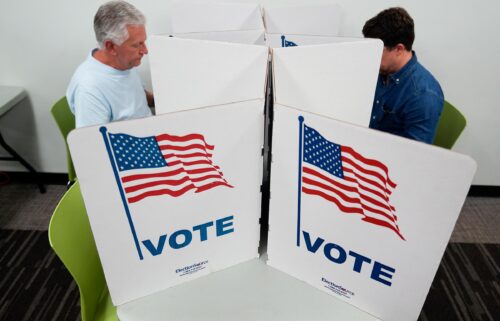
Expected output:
(222, 62)
(188, 74)
(229, 22)
(303, 19)
(353, 211)
(336, 80)
(361, 214)
(250, 291)
(167, 198)
(192, 17)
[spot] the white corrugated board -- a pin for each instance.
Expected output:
(360, 214)
(188, 224)
(306, 19)
(336, 80)
(189, 74)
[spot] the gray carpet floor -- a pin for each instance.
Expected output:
(22, 207)
(34, 285)
(479, 221)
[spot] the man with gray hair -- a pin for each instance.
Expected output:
(106, 87)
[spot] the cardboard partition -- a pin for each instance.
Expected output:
(291, 40)
(189, 74)
(336, 80)
(190, 16)
(318, 20)
(166, 196)
(360, 214)
(250, 37)
(251, 291)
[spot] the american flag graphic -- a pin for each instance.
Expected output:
(354, 183)
(286, 43)
(164, 165)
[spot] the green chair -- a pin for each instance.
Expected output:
(450, 126)
(72, 240)
(66, 122)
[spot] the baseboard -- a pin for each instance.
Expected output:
(28, 178)
(62, 179)
(484, 190)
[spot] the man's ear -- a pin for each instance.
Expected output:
(110, 47)
(400, 48)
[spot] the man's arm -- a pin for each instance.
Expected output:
(90, 110)
(421, 116)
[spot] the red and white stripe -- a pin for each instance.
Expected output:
(365, 188)
(189, 167)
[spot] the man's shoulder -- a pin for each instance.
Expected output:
(85, 82)
(87, 75)
(424, 81)
(85, 69)
(421, 73)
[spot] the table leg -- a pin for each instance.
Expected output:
(17, 157)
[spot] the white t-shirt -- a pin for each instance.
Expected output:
(98, 94)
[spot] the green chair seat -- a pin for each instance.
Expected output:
(71, 239)
(65, 120)
(450, 126)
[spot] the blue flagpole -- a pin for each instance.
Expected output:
(283, 41)
(104, 133)
(301, 143)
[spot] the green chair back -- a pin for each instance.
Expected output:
(71, 239)
(450, 126)
(66, 122)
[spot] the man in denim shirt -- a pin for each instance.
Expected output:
(408, 99)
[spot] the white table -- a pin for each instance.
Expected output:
(9, 98)
(248, 291)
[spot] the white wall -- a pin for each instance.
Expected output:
(42, 42)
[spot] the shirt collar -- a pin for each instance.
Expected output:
(105, 67)
(404, 72)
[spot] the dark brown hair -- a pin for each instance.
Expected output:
(392, 26)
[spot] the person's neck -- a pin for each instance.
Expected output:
(405, 58)
(104, 57)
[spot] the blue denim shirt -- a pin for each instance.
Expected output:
(408, 103)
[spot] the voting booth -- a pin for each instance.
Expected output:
(298, 25)
(189, 74)
(312, 74)
(303, 19)
(336, 80)
(228, 22)
(362, 215)
(166, 197)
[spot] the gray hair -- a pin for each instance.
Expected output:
(111, 20)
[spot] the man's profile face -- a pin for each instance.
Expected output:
(389, 61)
(129, 54)
(393, 59)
